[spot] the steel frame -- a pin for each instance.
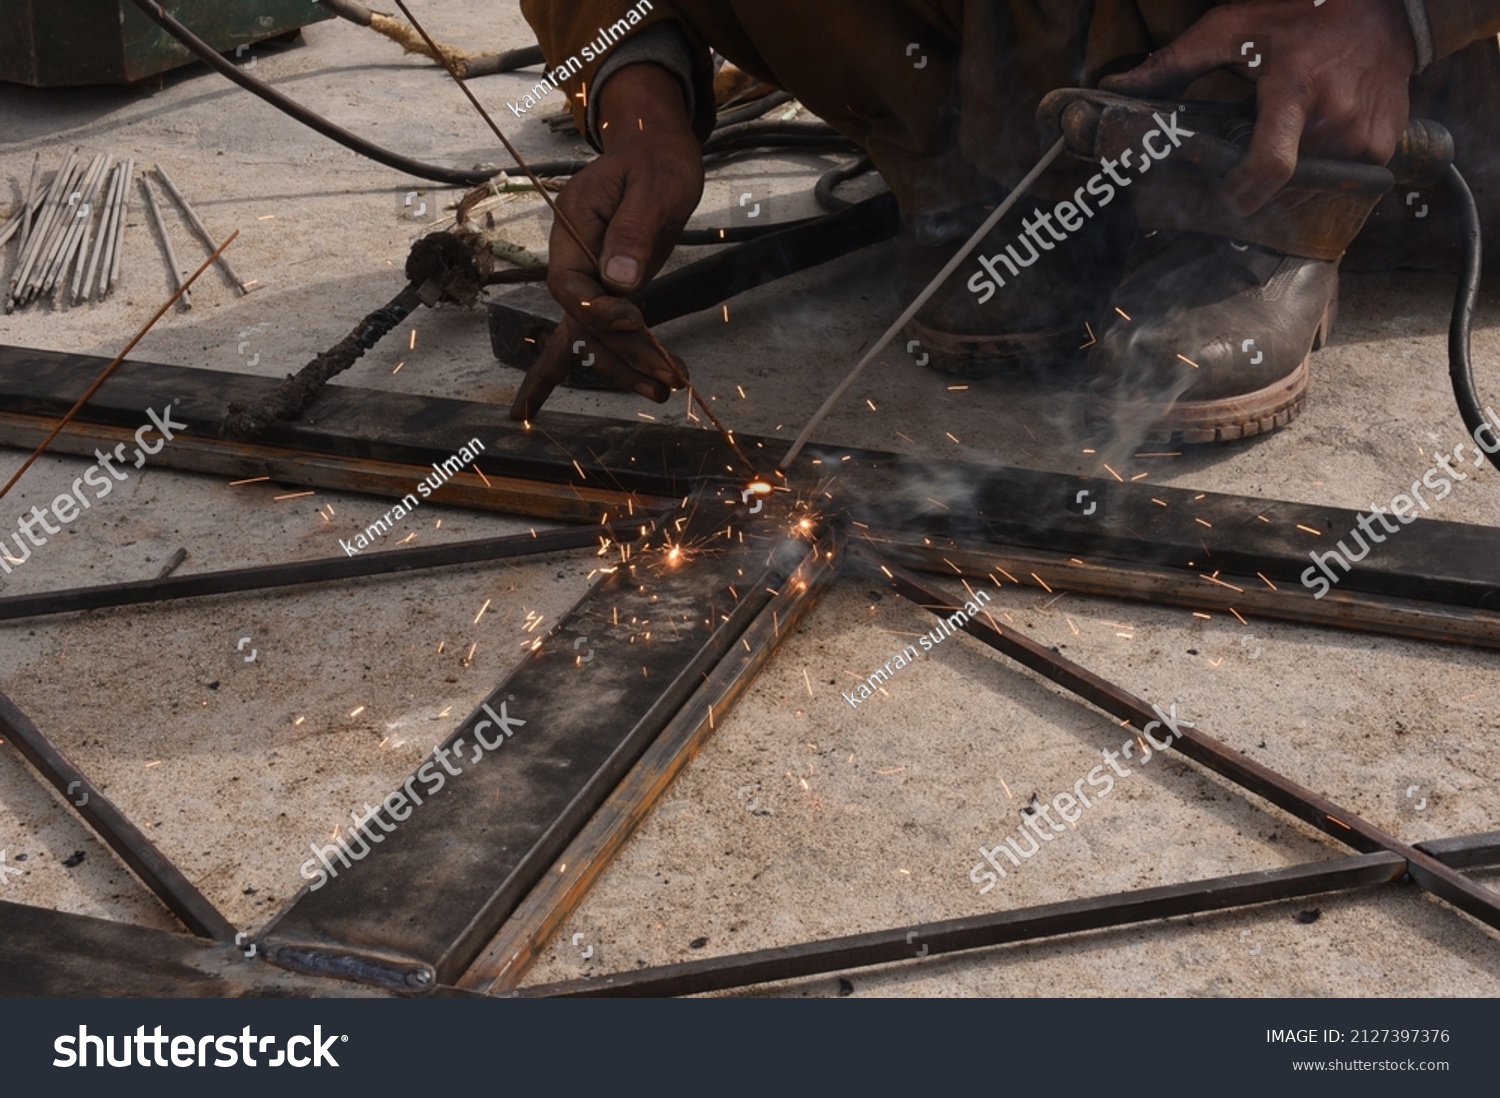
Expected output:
(489, 939)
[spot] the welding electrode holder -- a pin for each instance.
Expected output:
(1316, 215)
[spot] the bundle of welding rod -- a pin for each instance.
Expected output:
(72, 231)
(67, 228)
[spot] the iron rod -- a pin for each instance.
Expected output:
(197, 223)
(124, 838)
(324, 570)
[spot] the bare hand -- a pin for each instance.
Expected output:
(1332, 81)
(629, 206)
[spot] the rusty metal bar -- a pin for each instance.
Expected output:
(325, 570)
(148, 863)
(1042, 922)
(1313, 808)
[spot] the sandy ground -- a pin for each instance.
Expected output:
(803, 818)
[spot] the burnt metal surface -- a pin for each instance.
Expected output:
(529, 931)
(419, 908)
(148, 863)
(1021, 925)
(52, 954)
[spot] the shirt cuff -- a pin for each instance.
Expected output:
(1421, 29)
(663, 44)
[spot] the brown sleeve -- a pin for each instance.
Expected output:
(566, 28)
(1456, 23)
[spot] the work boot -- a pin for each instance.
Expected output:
(1021, 300)
(1208, 336)
(1207, 339)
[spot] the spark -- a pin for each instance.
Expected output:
(409, 537)
(644, 415)
(871, 403)
(808, 680)
(1190, 362)
(954, 437)
(1267, 582)
(1202, 522)
(726, 314)
(482, 609)
(358, 711)
(1237, 614)
(482, 477)
(958, 388)
(1122, 312)
(1310, 530)
(400, 364)
(1042, 582)
(1162, 502)
(741, 389)
(413, 340)
(1114, 474)
(252, 480)
(1205, 617)
(299, 721)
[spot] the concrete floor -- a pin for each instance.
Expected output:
(801, 819)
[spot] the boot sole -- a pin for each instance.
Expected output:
(1197, 422)
(980, 356)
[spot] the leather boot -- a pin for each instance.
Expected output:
(1208, 339)
(974, 326)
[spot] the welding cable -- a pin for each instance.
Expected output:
(1460, 366)
(211, 57)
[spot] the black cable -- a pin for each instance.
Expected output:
(209, 56)
(1460, 367)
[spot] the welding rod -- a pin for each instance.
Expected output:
(40, 230)
(161, 227)
(98, 210)
(44, 243)
(106, 228)
(193, 219)
(29, 210)
(922, 299)
(66, 231)
(77, 222)
(108, 283)
(22, 221)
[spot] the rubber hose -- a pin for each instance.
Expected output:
(1460, 366)
(209, 56)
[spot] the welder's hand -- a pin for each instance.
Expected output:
(1332, 81)
(630, 206)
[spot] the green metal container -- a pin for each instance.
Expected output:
(62, 43)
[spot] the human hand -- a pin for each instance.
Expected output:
(629, 206)
(1332, 82)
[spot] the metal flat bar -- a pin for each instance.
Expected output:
(148, 863)
(979, 932)
(326, 570)
(1437, 562)
(49, 954)
(1025, 924)
(291, 465)
(1313, 808)
(1226, 593)
(526, 935)
(421, 906)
